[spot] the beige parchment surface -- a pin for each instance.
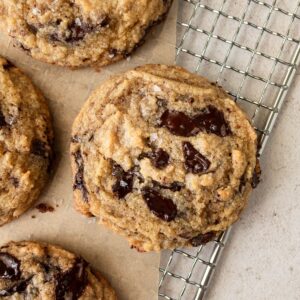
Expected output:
(134, 275)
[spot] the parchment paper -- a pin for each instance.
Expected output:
(133, 275)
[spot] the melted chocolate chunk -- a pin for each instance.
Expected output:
(162, 207)
(256, 175)
(195, 162)
(79, 183)
(178, 123)
(159, 158)
(71, 284)
(9, 267)
(124, 183)
(38, 148)
(210, 120)
(19, 287)
(174, 186)
(202, 239)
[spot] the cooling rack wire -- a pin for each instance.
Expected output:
(252, 49)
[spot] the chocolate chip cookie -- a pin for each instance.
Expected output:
(163, 157)
(25, 142)
(83, 32)
(30, 270)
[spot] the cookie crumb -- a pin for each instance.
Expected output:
(44, 208)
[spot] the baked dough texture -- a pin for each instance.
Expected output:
(163, 157)
(39, 271)
(78, 33)
(25, 142)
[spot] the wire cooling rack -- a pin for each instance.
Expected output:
(252, 49)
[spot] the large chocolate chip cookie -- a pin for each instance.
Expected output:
(25, 142)
(163, 157)
(82, 32)
(38, 271)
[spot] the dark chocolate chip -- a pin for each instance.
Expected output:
(202, 239)
(212, 120)
(209, 120)
(256, 175)
(79, 183)
(9, 267)
(163, 208)
(44, 208)
(71, 284)
(19, 287)
(39, 148)
(194, 162)
(124, 183)
(159, 158)
(174, 186)
(178, 123)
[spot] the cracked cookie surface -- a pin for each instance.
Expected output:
(163, 157)
(81, 32)
(25, 142)
(39, 271)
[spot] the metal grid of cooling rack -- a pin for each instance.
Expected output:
(252, 49)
